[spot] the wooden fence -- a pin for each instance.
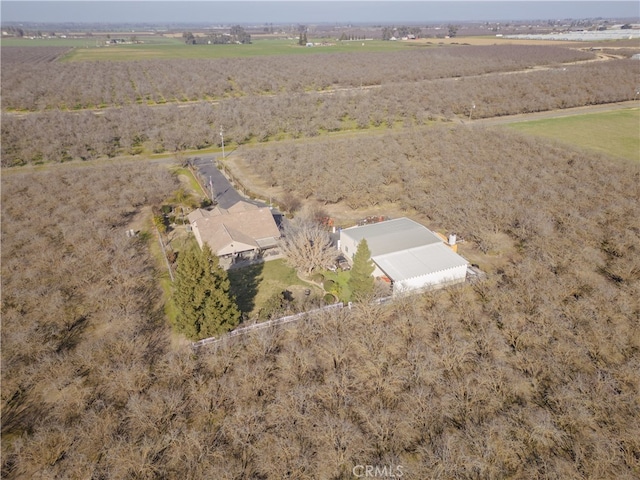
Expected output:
(258, 326)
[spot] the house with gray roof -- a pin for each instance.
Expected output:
(407, 254)
(242, 231)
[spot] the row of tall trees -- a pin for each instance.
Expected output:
(59, 136)
(399, 32)
(302, 35)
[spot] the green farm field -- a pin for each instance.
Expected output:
(170, 48)
(616, 133)
(53, 42)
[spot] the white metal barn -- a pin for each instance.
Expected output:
(411, 256)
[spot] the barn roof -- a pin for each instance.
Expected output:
(392, 236)
(418, 261)
(404, 249)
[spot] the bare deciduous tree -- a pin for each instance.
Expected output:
(306, 244)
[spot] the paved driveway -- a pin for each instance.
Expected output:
(224, 193)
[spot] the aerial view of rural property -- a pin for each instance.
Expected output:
(321, 240)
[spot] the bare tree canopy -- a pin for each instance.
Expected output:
(510, 378)
(74, 121)
(306, 244)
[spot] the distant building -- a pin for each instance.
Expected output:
(407, 254)
(117, 41)
(242, 231)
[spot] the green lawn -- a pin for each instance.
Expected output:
(253, 286)
(193, 183)
(341, 283)
(616, 133)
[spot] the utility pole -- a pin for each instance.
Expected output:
(471, 110)
(211, 187)
(222, 138)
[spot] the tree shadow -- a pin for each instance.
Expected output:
(69, 337)
(244, 286)
(20, 413)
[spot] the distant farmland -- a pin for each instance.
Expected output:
(163, 47)
(178, 49)
(614, 133)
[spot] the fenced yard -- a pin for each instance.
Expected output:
(262, 325)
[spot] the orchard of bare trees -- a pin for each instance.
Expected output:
(73, 85)
(530, 373)
(334, 93)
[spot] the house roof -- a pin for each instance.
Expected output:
(239, 228)
(392, 236)
(418, 261)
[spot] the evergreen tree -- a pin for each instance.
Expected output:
(185, 291)
(223, 313)
(361, 282)
(201, 295)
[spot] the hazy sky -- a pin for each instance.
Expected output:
(327, 11)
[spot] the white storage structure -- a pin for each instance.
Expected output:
(411, 256)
